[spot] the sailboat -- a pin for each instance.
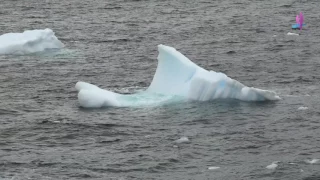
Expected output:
(299, 22)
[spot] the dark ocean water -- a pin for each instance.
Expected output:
(44, 134)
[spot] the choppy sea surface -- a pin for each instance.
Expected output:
(44, 134)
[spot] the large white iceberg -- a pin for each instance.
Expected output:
(176, 76)
(30, 41)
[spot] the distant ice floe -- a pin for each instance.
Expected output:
(213, 167)
(313, 161)
(182, 140)
(176, 78)
(273, 165)
(292, 163)
(292, 34)
(30, 41)
(303, 108)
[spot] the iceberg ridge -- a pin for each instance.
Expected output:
(176, 76)
(29, 41)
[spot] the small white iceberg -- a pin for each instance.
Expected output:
(302, 108)
(292, 34)
(30, 41)
(273, 165)
(213, 167)
(182, 140)
(292, 163)
(313, 161)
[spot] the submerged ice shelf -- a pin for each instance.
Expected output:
(30, 41)
(176, 78)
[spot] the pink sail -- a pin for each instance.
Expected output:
(297, 19)
(301, 19)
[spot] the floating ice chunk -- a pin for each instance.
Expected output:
(302, 108)
(30, 41)
(182, 140)
(176, 76)
(147, 136)
(273, 165)
(313, 161)
(91, 96)
(213, 168)
(292, 34)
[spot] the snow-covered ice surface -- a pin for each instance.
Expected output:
(30, 41)
(176, 76)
